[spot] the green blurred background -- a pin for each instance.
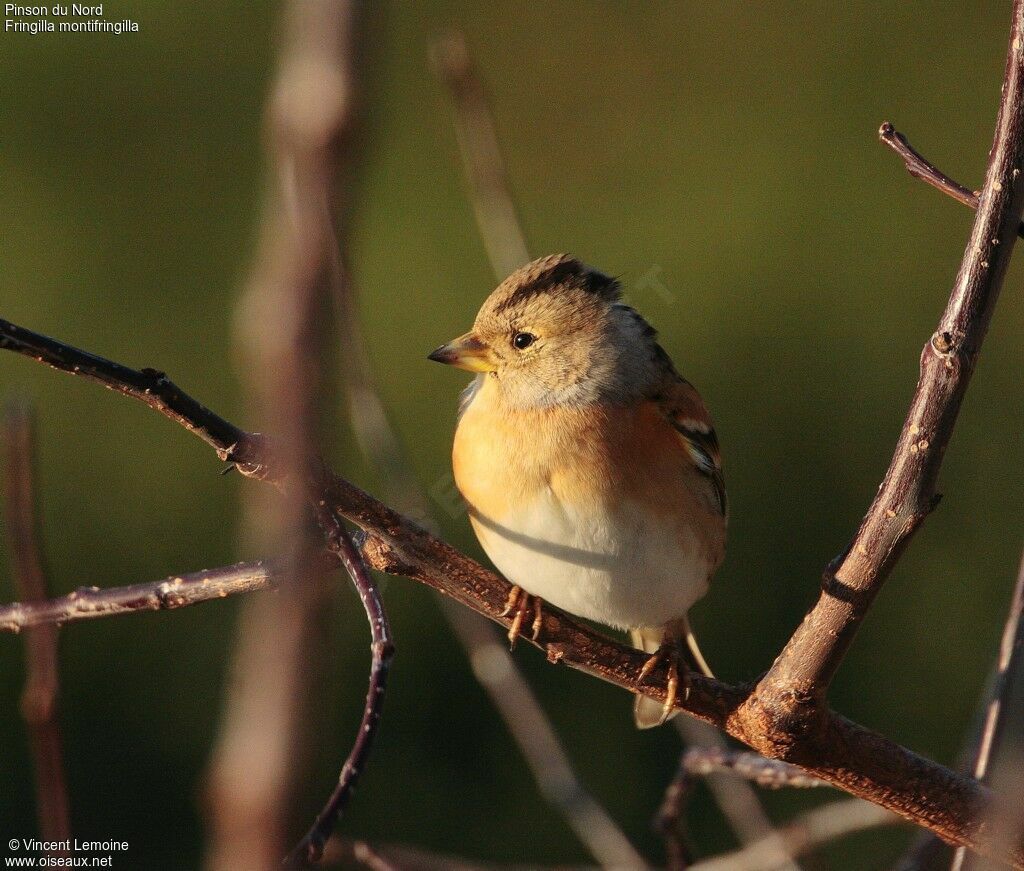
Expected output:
(728, 150)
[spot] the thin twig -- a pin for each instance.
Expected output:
(489, 194)
(810, 830)
(844, 754)
(920, 167)
(670, 821)
(88, 603)
(311, 847)
(42, 680)
(767, 773)
(1003, 727)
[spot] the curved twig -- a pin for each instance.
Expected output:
(311, 847)
(670, 820)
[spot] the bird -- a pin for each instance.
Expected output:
(589, 467)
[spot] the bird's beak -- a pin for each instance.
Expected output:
(466, 352)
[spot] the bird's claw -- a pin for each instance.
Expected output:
(522, 603)
(678, 674)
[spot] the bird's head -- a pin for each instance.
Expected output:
(555, 333)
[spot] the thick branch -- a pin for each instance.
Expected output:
(793, 688)
(42, 679)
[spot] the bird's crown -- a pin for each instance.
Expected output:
(554, 274)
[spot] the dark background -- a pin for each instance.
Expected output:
(728, 150)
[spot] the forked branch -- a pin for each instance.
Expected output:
(793, 689)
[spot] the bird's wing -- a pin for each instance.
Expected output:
(682, 405)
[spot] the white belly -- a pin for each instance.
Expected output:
(621, 568)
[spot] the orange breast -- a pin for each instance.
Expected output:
(599, 456)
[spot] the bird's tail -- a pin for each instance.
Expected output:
(648, 712)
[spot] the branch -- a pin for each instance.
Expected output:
(311, 847)
(482, 162)
(792, 691)
(767, 773)
(42, 680)
(148, 386)
(844, 754)
(670, 820)
(88, 603)
(920, 167)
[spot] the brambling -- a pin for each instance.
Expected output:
(589, 467)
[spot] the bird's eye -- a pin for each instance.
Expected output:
(523, 340)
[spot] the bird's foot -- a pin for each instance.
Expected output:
(523, 604)
(678, 675)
